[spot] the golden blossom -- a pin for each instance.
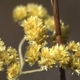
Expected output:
(32, 53)
(46, 58)
(74, 63)
(61, 55)
(13, 71)
(36, 10)
(49, 22)
(74, 46)
(34, 29)
(13, 55)
(19, 12)
(2, 46)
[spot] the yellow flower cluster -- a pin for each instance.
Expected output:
(61, 55)
(3, 55)
(73, 46)
(32, 53)
(58, 55)
(38, 25)
(19, 13)
(32, 17)
(36, 10)
(47, 59)
(34, 29)
(13, 56)
(2, 46)
(74, 63)
(49, 22)
(13, 71)
(8, 56)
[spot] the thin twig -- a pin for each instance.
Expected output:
(22, 59)
(32, 71)
(55, 7)
(20, 52)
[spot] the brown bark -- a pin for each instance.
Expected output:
(58, 31)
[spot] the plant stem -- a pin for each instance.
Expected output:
(55, 6)
(20, 52)
(32, 71)
(22, 59)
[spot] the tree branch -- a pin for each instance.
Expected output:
(55, 7)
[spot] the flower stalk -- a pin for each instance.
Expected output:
(32, 71)
(20, 52)
(22, 59)
(55, 7)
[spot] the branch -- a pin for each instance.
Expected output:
(55, 7)
(32, 71)
(20, 52)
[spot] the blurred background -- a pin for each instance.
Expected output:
(11, 33)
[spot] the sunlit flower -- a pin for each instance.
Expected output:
(4, 57)
(34, 29)
(13, 71)
(46, 58)
(61, 55)
(19, 12)
(74, 63)
(74, 46)
(36, 10)
(32, 53)
(13, 55)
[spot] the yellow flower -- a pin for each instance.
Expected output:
(19, 12)
(12, 53)
(2, 46)
(4, 57)
(49, 22)
(36, 10)
(61, 55)
(74, 63)
(46, 58)
(32, 53)
(13, 71)
(34, 29)
(74, 46)
(77, 53)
